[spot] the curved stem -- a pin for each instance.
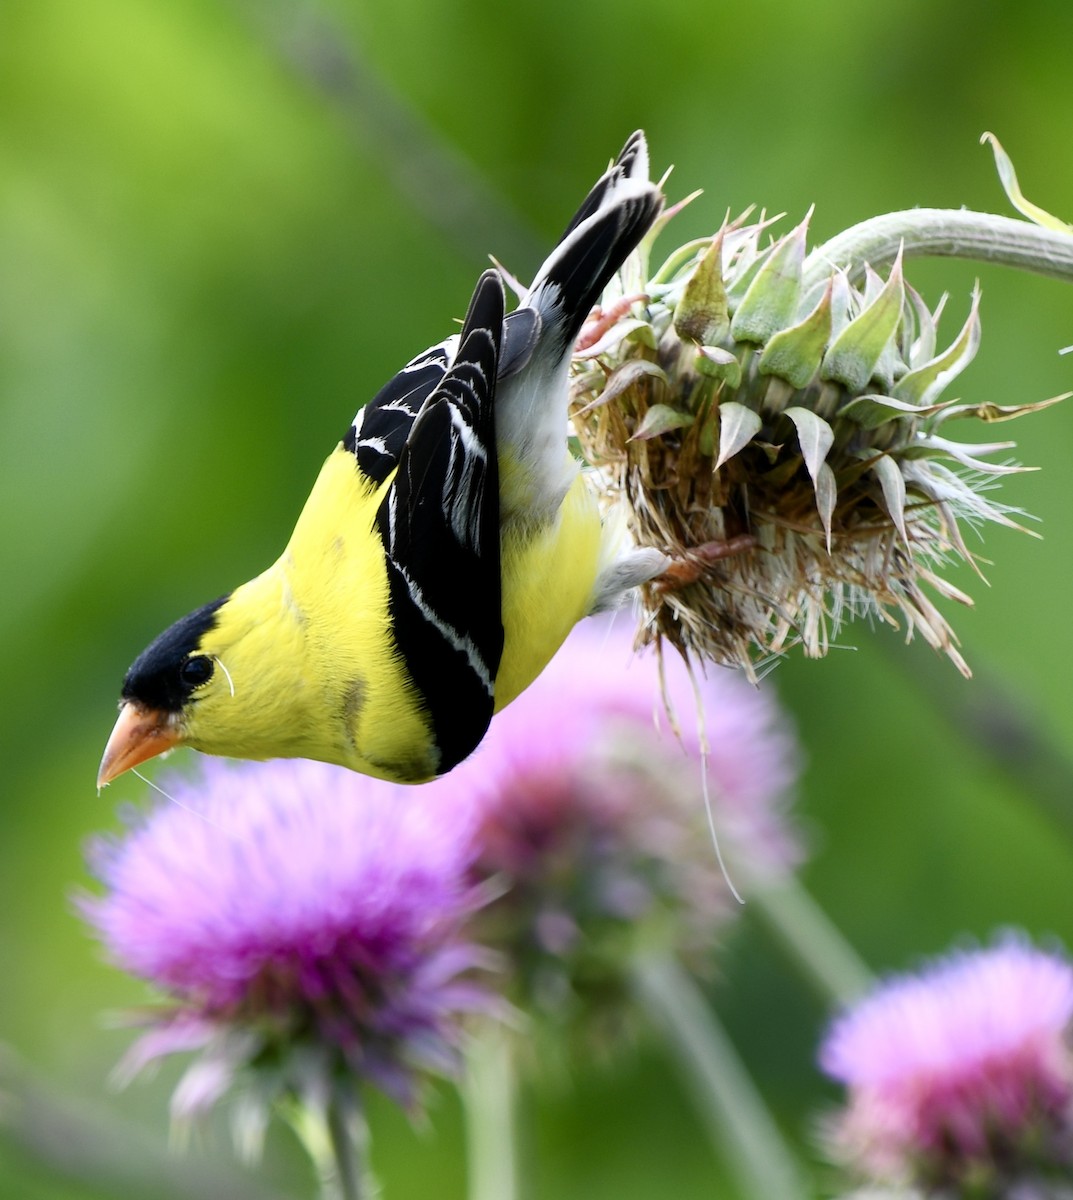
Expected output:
(738, 1121)
(944, 233)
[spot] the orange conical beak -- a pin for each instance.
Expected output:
(139, 734)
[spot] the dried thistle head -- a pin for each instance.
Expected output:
(780, 429)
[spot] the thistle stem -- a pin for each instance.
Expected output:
(349, 1137)
(428, 172)
(489, 1098)
(1006, 729)
(943, 233)
(814, 944)
(738, 1122)
(336, 1137)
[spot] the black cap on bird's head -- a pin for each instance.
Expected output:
(168, 670)
(160, 683)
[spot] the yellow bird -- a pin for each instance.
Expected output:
(449, 545)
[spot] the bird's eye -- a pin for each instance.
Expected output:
(196, 670)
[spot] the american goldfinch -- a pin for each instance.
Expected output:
(449, 545)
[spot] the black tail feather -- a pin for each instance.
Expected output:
(621, 168)
(611, 220)
(582, 269)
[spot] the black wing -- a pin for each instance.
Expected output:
(440, 525)
(381, 428)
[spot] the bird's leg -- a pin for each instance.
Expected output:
(692, 565)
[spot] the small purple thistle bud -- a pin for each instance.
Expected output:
(960, 1076)
(300, 918)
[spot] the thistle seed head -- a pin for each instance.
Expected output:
(798, 418)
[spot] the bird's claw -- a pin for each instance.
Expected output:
(692, 565)
(600, 320)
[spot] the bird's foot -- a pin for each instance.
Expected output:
(600, 320)
(692, 565)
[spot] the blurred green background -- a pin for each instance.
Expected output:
(224, 225)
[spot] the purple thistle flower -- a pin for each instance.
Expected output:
(960, 1075)
(597, 700)
(592, 818)
(302, 919)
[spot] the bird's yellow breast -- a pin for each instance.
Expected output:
(336, 567)
(309, 648)
(335, 564)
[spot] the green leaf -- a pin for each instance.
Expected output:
(659, 419)
(999, 412)
(826, 498)
(738, 425)
(744, 258)
(643, 335)
(770, 450)
(815, 437)
(889, 364)
(1008, 178)
(922, 349)
(678, 257)
(892, 482)
(717, 363)
(623, 378)
(840, 302)
(872, 411)
(937, 447)
(708, 419)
